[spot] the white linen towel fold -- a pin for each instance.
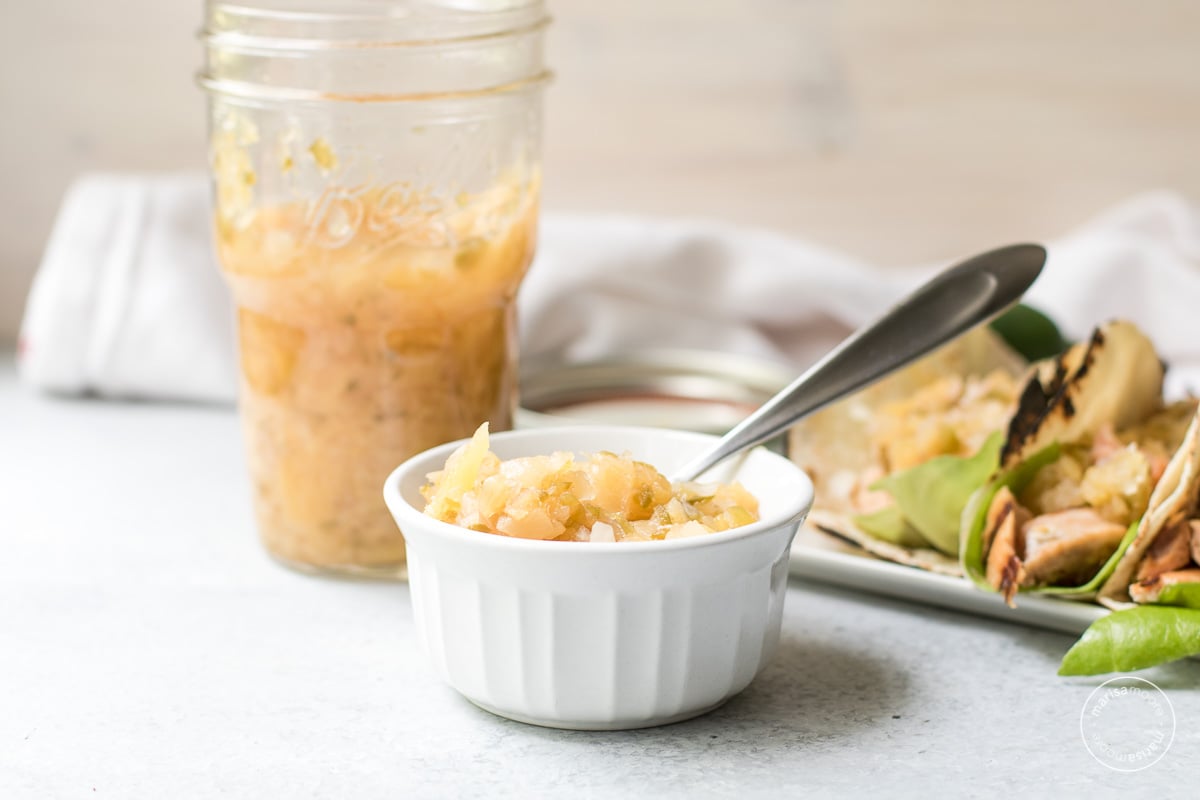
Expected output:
(128, 301)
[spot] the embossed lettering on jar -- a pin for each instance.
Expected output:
(376, 170)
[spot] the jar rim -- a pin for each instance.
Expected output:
(371, 9)
(242, 43)
(372, 51)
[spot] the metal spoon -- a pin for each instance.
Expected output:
(956, 300)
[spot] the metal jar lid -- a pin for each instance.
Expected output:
(671, 388)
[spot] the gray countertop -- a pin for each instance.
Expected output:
(148, 648)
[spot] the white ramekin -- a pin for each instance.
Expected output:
(593, 635)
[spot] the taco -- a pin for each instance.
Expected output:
(1086, 474)
(1162, 564)
(894, 464)
(1155, 587)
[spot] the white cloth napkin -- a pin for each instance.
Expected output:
(128, 301)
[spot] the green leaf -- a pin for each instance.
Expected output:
(1186, 595)
(1030, 332)
(890, 525)
(1134, 639)
(974, 516)
(931, 496)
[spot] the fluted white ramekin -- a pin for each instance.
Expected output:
(602, 635)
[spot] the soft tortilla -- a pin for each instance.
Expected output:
(842, 527)
(1115, 378)
(1172, 499)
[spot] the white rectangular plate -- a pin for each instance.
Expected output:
(817, 557)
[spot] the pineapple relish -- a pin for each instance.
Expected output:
(602, 498)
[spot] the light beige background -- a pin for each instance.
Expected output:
(898, 131)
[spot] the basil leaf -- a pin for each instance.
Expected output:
(1030, 332)
(1186, 595)
(931, 496)
(889, 525)
(1134, 639)
(974, 517)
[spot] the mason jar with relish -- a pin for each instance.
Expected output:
(376, 169)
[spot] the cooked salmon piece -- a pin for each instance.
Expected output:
(1067, 548)
(1169, 551)
(1194, 524)
(1004, 542)
(1149, 591)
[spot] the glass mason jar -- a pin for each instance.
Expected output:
(376, 166)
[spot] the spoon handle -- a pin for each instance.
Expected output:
(954, 301)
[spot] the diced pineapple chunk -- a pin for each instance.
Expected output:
(603, 533)
(687, 529)
(444, 493)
